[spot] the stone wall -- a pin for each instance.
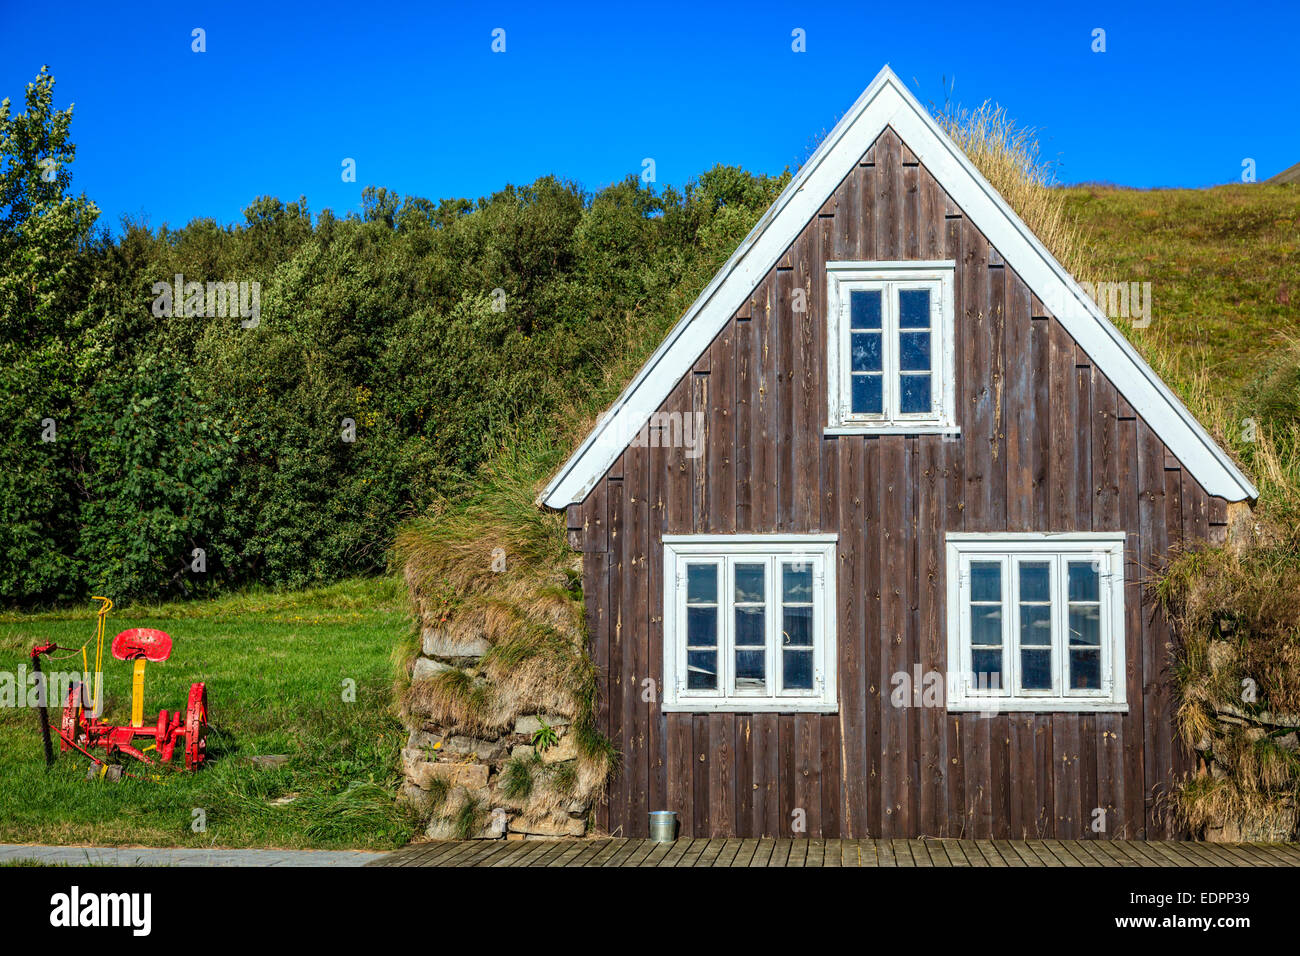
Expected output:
(447, 768)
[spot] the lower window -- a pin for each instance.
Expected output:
(749, 623)
(1036, 622)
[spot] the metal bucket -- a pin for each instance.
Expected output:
(663, 826)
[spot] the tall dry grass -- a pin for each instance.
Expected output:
(1010, 158)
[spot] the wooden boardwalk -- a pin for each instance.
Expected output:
(907, 853)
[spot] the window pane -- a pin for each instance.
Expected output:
(1035, 625)
(701, 626)
(1083, 581)
(865, 351)
(797, 670)
(986, 625)
(796, 628)
(914, 308)
(864, 309)
(914, 393)
(750, 629)
(1085, 669)
(749, 583)
(1035, 581)
(914, 351)
(751, 676)
(702, 670)
(987, 666)
(1036, 669)
(986, 581)
(866, 395)
(1085, 625)
(701, 584)
(797, 583)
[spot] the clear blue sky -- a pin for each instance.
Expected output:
(415, 95)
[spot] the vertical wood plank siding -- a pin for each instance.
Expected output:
(1047, 444)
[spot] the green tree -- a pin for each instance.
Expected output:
(44, 356)
(157, 467)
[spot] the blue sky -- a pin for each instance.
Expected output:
(414, 94)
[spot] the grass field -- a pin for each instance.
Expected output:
(1224, 268)
(275, 667)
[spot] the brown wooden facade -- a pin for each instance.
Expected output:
(1046, 444)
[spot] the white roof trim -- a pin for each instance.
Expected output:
(887, 102)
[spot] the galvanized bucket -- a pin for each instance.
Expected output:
(663, 826)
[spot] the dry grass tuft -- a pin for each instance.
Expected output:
(1008, 156)
(1236, 611)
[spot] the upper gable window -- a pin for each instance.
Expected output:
(890, 342)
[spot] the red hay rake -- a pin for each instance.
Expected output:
(82, 729)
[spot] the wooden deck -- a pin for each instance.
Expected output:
(779, 853)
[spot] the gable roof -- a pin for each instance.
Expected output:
(887, 102)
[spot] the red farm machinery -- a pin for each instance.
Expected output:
(81, 727)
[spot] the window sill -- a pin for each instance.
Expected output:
(750, 707)
(1023, 705)
(892, 428)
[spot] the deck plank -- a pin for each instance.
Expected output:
(762, 853)
(879, 852)
(746, 853)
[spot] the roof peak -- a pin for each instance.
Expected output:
(886, 102)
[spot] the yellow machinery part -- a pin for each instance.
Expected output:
(102, 616)
(137, 695)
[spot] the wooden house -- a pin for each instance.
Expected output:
(864, 540)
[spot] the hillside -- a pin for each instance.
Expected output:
(1224, 264)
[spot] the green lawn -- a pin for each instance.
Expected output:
(275, 668)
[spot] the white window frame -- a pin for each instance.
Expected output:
(1107, 550)
(937, 276)
(726, 551)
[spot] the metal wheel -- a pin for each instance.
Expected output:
(196, 727)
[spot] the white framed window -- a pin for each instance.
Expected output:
(1036, 622)
(749, 623)
(890, 341)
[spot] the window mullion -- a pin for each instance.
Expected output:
(1060, 629)
(679, 628)
(1105, 632)
(965, 663)
(845, 357)
(1009, 669)
(818, 673)
(936, 349)
(1011, 624)
(726, 642)
(773, 627)
(889, 349)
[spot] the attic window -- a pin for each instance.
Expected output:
(749, 623)
(1036, 622)
(890, 343)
